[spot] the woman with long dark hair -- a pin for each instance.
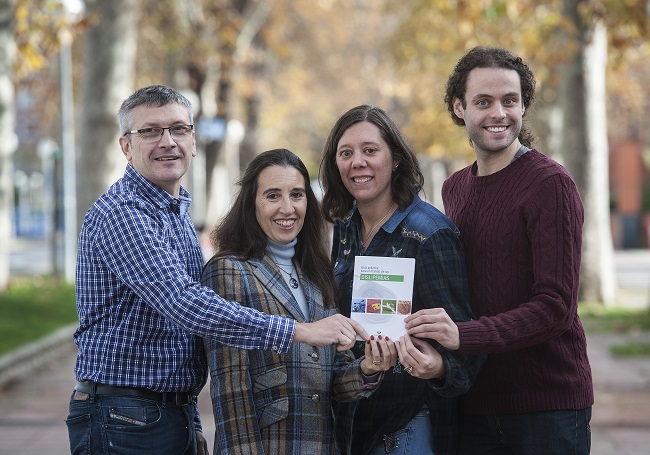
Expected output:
(270, 255)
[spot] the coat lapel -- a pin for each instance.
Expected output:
(270, 277)
(314, 298)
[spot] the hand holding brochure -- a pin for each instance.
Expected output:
(382, 294)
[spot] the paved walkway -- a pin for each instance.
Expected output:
(32, 412)
(620, 422)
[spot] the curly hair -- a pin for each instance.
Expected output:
(490, 57)
(239, 234)
(407, 180)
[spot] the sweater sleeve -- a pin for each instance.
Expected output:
(552, 217)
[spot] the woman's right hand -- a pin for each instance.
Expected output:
(380, 355)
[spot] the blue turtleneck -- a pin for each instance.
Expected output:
(282, 255)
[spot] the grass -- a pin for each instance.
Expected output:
(631, 349)
(32, 308)
(598, 319)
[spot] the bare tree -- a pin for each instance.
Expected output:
(109, 67)
(8, 141)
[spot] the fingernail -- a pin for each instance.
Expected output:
(367, 341)
(372, 337)
(387, 339)
(380, 337)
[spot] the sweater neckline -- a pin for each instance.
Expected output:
(514, 166)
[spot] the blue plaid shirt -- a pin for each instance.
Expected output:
(141, 308)
(422, 232)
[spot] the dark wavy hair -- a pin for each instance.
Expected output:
(239, 234)
(407, 180)
(490, 57)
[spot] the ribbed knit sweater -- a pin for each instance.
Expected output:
(522, 230)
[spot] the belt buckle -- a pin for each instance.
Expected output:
(180, 398)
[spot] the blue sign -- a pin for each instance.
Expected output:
(211, 129)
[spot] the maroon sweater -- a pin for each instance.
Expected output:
(522, 229)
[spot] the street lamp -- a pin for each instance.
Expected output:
(47, 149)
(71, 8)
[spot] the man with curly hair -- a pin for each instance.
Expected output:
(520, 216)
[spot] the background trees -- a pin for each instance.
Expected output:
(109, 53)
(286, 69)
(567, 46)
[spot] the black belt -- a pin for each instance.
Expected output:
(178, 398)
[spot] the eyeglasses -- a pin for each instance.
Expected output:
(155, 133)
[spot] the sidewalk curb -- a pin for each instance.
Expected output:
(24, 360)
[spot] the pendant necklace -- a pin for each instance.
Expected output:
(292, 281)
(377, 224)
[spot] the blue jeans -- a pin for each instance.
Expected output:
(565, 432)
(119, 425)
(416, 438)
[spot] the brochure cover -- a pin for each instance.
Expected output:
(382, 293)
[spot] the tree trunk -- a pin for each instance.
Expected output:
(585, 151)
(223, 158)
(9, 141)
(109, 70)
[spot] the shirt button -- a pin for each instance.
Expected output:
(274, 348)
(314, 356)
(315, 398)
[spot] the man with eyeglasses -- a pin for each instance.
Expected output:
(142, 311)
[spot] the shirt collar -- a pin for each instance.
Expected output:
(393, 222)
(156, 194)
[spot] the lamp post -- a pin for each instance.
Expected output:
(46, 149)
(69, 157)
(71, 8)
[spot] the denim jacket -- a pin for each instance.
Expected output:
(422, 232)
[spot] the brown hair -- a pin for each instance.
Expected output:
(490, 57)
(407, 179)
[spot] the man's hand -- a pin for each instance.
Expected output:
(419, 358)
(336, 329)
(201, 444)
(436, 324)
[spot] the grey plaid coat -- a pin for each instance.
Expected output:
(269, 403)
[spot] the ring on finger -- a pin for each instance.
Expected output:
(409, 369)
(376, 362)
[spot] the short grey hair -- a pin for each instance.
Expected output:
(153, 95)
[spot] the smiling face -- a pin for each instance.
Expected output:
(493, 112)
(366, 164)
(165, 160)
(281, 203)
